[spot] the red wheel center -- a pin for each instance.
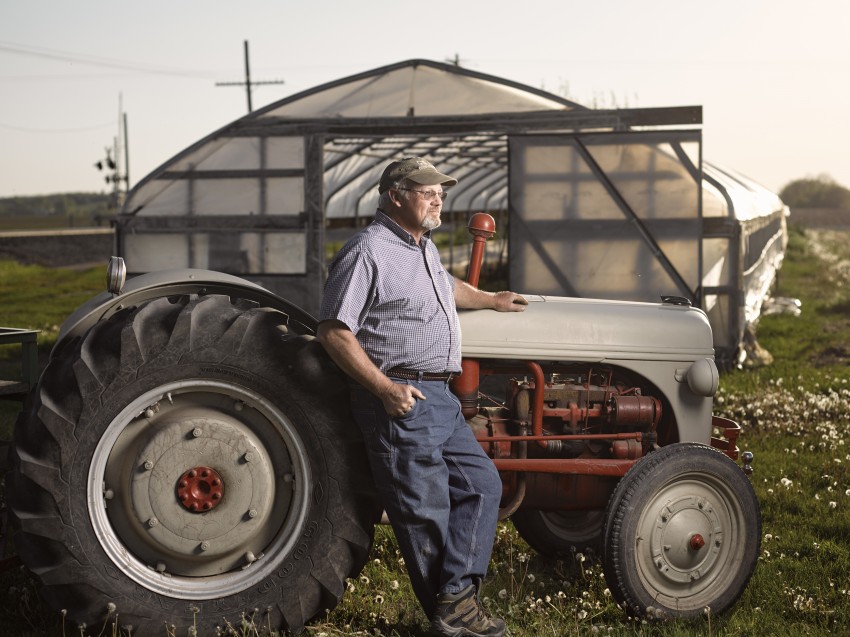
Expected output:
(200, 489)
(697, 542)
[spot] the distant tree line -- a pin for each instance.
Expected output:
(819, 192)
(62, 204)
(55, 211)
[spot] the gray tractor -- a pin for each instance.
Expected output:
(188, 456)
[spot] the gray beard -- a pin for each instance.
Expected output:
(430, 223)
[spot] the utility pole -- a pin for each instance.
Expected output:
(112, 162)
(248, 83)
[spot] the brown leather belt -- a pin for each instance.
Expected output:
(412, 374)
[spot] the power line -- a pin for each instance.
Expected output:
(57, 130)
(79, 58)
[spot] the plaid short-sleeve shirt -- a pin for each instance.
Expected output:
(396, 298)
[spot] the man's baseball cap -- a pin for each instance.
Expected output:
(417, 170)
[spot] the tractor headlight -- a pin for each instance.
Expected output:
(703, 378)
(116, 274)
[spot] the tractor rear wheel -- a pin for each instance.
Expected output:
(682, 533)
(189, 462)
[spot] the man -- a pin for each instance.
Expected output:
(388, 319)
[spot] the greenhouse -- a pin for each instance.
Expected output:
(614, 204)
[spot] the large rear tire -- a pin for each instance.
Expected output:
(560, 533)
(187, 462)
(682, 533)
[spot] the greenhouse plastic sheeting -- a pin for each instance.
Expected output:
(269, 196)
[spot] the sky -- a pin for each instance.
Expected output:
(771, 76)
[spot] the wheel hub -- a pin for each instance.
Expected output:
(681, 530)
(199, 524)
(202, 492)
(200, 489)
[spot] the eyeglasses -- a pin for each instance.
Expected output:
(428, 195)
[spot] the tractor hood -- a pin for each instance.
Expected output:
(566, 328)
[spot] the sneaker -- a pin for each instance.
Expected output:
(461, 615)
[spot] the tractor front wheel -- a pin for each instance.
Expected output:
(682, 533)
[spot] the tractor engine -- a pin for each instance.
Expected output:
(585, 404)
(581, 414)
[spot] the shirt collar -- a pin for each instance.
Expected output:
(385, 220)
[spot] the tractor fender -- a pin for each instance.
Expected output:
(164, 283)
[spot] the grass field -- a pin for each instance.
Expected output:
(796, 418)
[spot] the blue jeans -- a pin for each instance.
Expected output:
(439, 489)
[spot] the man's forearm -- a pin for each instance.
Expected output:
(468, 297)
(342, 346)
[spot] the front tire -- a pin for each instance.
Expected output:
(188, 461)
(682, 533)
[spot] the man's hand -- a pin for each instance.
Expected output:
(509, 302)
(471, 298)
(399, 398)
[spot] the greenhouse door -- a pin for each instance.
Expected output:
(606, 215)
